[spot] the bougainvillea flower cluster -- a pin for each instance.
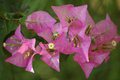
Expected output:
(75, 33)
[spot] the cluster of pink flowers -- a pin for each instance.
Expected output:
(75, 32)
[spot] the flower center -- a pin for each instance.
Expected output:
(55, 35)
(69, 19)
(28, 54)
(87, 31)
(76, 41)
(114, 43)
(51, 49)
(51, 46)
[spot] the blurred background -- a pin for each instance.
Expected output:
(13, 12)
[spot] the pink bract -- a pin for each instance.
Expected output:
(61, 44)
(75, 19)
(22, 55)
(41, 22)
(39, 19)
(94, 61)
(44, 25)
(103, 33)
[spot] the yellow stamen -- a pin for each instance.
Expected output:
(11, 48)
(109, 45)
(36, 21)
(56, 35)
(12, 45)
(87, 31)
(108, 48)
(74, 45)
(76, 41)
(29, 53)
(114, 43)
(15, 39)
(51, 46)
(53, 54)
(4, 44)
(73, 38)
(69, 19)
(78, 45)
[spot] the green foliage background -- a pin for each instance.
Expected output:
(13, 12)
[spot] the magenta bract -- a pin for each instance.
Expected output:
(76, 32)
(50, 51)
(22, 50)
(75, 19)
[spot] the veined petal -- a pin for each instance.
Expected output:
(87, 68)
(37, 19)
(18, 34)
(110, 22)
(52, 61)
(11, 49)
(104, 31)
(68, 49)
(13, 43)
(41, 22)
(30, 43)
(46, 33)
(98, 58)
(38, 49)
(62, 44)
(59, 28)
(29, 65)
(85, 44)
(89, 20)
(79, 57)
(75, 27)
(18, 60)
(108, 17)
(62, 12)
(80, 13)
(23, 49)
(61, 41)
(117, 39)
(44, 51)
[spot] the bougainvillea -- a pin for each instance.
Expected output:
(76, 32)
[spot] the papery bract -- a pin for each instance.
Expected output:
(95, 59)
(22, 50)
(63, 13)
(38, 19)
(75, 19)
(41, 22)
(75, 33)
(89, 20)
(105, 35)
(44, 25)
(104, 42)
(50, 51)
